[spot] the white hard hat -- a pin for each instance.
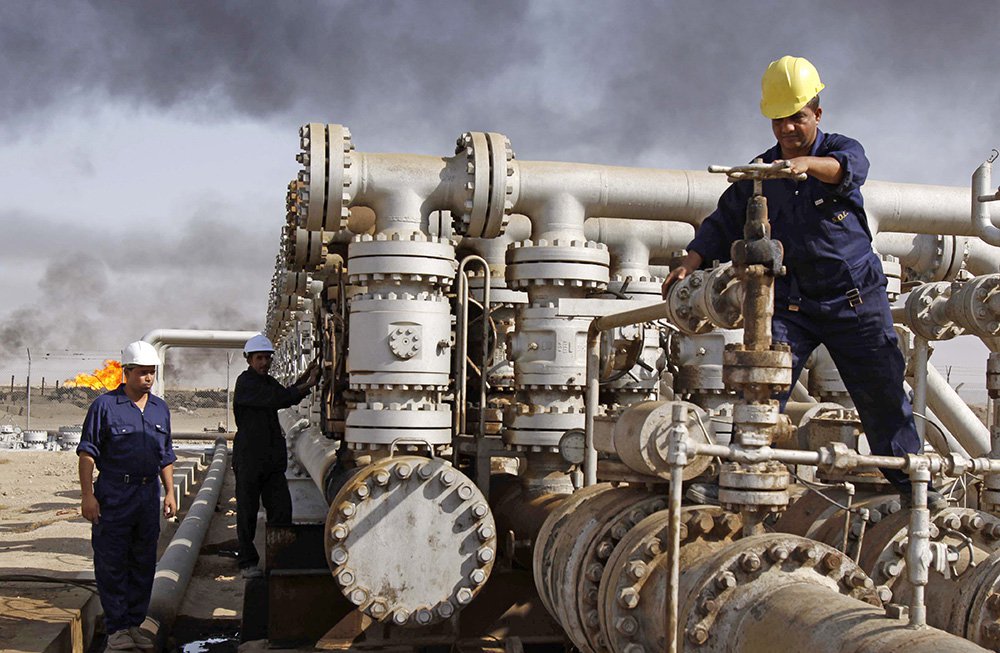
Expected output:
(258, 343)
(140, 353)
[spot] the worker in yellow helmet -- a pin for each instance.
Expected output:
(834, 290)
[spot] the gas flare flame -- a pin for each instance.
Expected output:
(107, 378)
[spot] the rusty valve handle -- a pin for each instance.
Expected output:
(758, 171)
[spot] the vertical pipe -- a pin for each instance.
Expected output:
(590, 404)
(922, 354)
(462, 298)
(677, 456)
(918, 553)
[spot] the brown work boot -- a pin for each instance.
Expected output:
(120, 640)
(141, 638)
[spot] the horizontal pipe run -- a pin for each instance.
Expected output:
(173, 571)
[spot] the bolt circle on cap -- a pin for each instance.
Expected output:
(420, 500)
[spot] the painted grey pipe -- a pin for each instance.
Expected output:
(939, 258)
(982, 224)
(316, 453)
(173, 571)
(163, 339)
(956, 415)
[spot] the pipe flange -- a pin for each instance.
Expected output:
(566, 549)
(324, 195)
(489, 185)
(545, 540)
(561, 262)
(636, 288)
(759, 486)
(448, 527)
(925, 309)
(615, 525)
(975, 305)
(732, 578)
(743, 367)
(630, 594)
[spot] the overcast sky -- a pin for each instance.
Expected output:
(146, 145)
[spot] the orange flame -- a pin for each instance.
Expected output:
(103, 379)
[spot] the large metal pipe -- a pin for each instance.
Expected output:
(939, 258)
(163, 339)
(956, 415)
(313, 451)
(804, 617)
(173, 571)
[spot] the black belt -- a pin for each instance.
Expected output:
(133, 479)
(794, 300)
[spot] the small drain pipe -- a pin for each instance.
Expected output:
(173, 571)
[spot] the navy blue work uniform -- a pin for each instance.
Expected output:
(130, 447)
(834, 290)
(260, 456)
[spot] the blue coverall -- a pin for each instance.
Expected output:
(834, 290)
(129, 447)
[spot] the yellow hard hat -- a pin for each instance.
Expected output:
(787, 85)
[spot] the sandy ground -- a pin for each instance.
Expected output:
(43, 533)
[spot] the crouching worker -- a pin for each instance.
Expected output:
(126, 436)
(260, 456)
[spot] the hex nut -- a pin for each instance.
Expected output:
(605, 549)
(593, 619)
(884, 593)
(636, 569)
(777, 553)
(709, 605)
(725, 580)
(345, 578)
(381, 477)
(445, 610)
(749, 562)
(484, 555)
(627, 625)
(477, 576)
(806, 553)
(860, 580)
(340, 532)
(358, 595)
(652, 548)
(463, 596)
(594, 572)
(348, 509)
(480, 510)
(447, 478)
(698, 635)
(465, 492)
(378, 609)
(628, 598)
(400, 617)
(831, 561)
(339, 555)
(485, 532)
(423, 616)
(425, 471)
(362, 491)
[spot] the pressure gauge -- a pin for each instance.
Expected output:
(572, 446)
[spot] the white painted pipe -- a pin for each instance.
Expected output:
(982, 225)
(163, 339)
(928, 255)
(173, 571)
(956, 415)
(632, 243)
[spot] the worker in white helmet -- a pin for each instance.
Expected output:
(126, 436)
(259, 453)
(833, 292)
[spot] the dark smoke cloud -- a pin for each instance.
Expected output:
(96, 290)
(670, 84)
